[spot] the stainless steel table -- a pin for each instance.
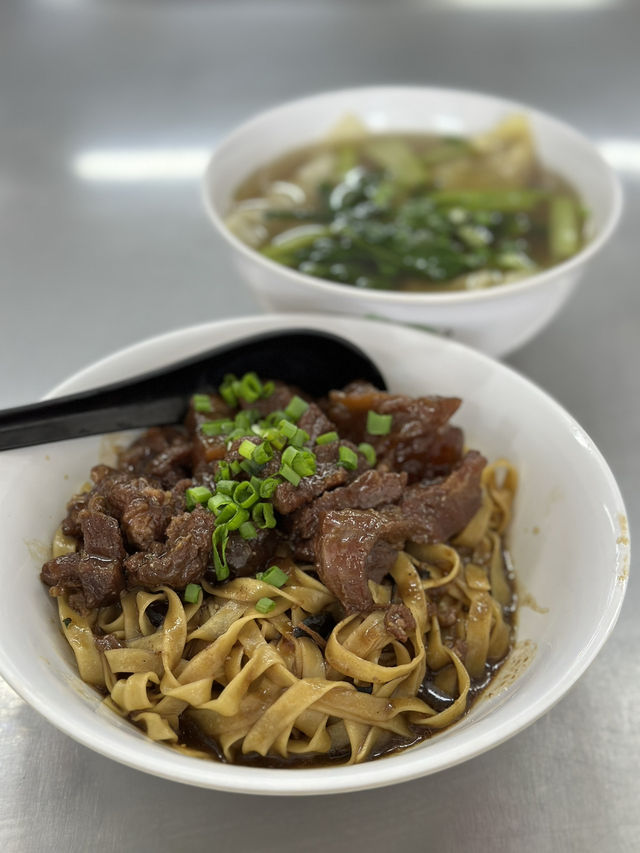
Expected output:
(87, 244)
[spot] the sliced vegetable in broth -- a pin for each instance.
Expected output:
(412, 212)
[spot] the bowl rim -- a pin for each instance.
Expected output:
(353, 294)
(394, 769)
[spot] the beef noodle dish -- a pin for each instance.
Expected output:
(288, 581)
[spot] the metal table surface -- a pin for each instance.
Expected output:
(92, 259)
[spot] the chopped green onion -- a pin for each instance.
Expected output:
(327, 437)
(235, 467)
(220, 427)
(227, 390)
(196, 495)
(275, 576)
(245, 419)
(296, 408)
(223, 471)
(262, 515)
(378, 424)
(250, 387)
(218, 501)
(265, 605)
(304, 463)
(241, 515)
(202, 403)
(268, 487)
(348, 458)
(226, 513)
(268, 388)
(263, 453)
(289, 474)
(287, 428)
(247, 449)
(274, 437)
(192, 592)
(219, 540)
(226, 487)
(289, 455)
(245, 495)
(300, 438)
(249, 467)
(247, 530)
(368, 452)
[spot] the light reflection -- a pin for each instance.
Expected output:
(534, 5)
(133, 165)
(622, 154)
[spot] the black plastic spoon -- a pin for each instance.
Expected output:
(314, 361)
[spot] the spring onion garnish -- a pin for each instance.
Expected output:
(202, 403)
(368, 452)
(265, 605)
(247, 530)
(274, 576)
(245, 495)
(191, 592)
(262, 453)
(296, 408)
(249, 389)
(219, 541)
(327, 437)
(239, 517)
(348, 458)
(222, 426)
(268, 487)
(225, 513)
(247, 448)
(262, 515)
(378, 424)
(196, 495)
(289, 474)
(226, 487)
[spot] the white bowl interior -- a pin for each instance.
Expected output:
(568, 543)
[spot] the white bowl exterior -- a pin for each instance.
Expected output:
(568, 543)
(495, 321)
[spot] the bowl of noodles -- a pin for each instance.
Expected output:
(378, 594)
(463, 212)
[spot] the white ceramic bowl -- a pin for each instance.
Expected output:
(495, 320)
(568, 543)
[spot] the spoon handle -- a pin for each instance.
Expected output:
(314, 361)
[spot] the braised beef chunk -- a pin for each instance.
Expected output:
(348, 542)
(181, 560)
(106, 642)
(315, 422)
(89, 581)
(245, 557)
(344, 540)
(399, 621)
(437, 511)
(161, 454)
(93, 576)
(101, 536)
(370, 489)
(417, 442)
(143, 510)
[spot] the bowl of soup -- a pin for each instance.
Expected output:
(464, 213)
(241, 681)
